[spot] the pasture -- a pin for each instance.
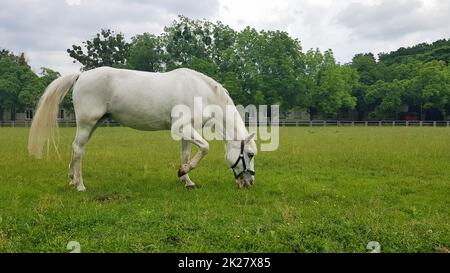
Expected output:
(324, 190)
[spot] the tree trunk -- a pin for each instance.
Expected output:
(421, 112)
(13, 113)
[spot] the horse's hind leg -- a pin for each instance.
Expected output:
(84, 132)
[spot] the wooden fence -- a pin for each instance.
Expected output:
(282, 123)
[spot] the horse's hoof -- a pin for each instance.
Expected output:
(81, 188)
(190, 187)
(72, 178)
(183, 170)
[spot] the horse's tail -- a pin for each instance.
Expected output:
(44, 125)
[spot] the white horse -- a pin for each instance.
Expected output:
(144, 101)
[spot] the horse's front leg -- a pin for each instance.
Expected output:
(187, 165)
(185, 156)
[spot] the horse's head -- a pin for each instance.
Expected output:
(240, 156)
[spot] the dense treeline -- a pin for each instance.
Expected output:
(20, 87)
(256, 67)
(412, 81)
(437, 51)
(263, 67)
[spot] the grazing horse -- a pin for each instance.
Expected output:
(144, 101)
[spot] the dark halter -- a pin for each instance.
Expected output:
(241, 158)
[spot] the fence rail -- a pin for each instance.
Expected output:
(282, 123)
(392, 123)
(61, 123)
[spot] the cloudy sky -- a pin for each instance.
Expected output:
(44, 29)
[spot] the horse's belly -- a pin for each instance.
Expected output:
(148, 118)
(144, 125)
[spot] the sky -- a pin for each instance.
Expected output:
(44, 29)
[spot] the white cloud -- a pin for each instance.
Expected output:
(390, 20)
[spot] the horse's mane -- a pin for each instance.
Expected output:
(216, 87)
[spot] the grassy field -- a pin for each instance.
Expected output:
(324, 190)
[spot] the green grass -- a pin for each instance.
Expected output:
(323, 190)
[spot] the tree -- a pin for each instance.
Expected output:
(268, 65)
(106, 49)
(369, 71)
(388, 96)
(423, 52)
(431, 86)
(281, 65)
(416, 77)
(186, 39)
(48, 75)
(328, 84)
(146, 53)
(20, 87)
(6, 53)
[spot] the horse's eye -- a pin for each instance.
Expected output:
(251, 155)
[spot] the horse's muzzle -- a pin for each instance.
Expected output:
(245, 182)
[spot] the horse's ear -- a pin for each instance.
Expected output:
(250, 137)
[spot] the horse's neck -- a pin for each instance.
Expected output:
(237, 130)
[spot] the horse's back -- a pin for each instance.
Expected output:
(142, 100)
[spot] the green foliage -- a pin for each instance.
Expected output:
(414, 78)
(20, 87)
(47, 76)
(106, 49)
(253, 66)
(187, 39)
(271, 64)
(388, 98)
(260, 67)
(146, 53)
(269, 67)
(439, 50)
(328, 84)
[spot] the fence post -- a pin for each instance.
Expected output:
(421, 123)
(366, 123)
(379, 123)
(393, 123)
(353, 124)
(407, 123)
(434, 123)
(324, 123)
(448, 123)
